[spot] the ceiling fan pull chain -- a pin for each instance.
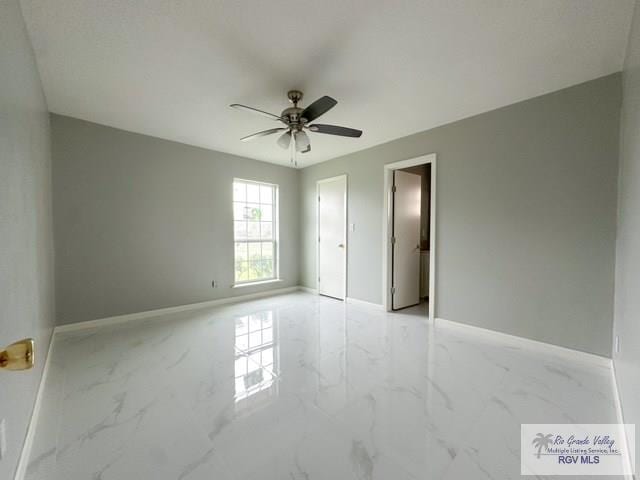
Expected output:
(294, 153)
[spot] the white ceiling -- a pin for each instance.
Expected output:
(170, 68)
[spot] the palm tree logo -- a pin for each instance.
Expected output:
(542, 441)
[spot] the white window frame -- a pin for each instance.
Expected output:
(276, 235)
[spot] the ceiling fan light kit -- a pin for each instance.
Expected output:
(296, 121)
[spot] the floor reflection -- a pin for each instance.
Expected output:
(256, 358)
(311, 387)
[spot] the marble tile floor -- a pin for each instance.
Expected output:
(302, 387)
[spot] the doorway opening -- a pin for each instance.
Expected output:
(409, 235)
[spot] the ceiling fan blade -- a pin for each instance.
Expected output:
(255, 110)
(302, 141)
(317, 108)
(285, 140)
(262, 134)
(335, 130)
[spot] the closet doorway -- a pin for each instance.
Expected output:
(409, 234)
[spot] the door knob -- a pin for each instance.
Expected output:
(341, 245)
(18, 356)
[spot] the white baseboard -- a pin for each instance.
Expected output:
(363, 303)
(528, 343)
(313, 291)
(620, 418)
(71, 327)
(23, 461)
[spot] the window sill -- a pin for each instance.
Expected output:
(254, 284)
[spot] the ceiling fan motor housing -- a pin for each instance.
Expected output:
(291, 116)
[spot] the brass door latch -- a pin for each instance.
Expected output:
(18, 356)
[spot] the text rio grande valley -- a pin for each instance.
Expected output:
(582, 450)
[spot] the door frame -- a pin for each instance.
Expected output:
(387, 228)
(344, 231)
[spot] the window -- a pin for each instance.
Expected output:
(255, 214)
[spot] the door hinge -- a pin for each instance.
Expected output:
(393, 240)
(318, 279)
(318, 239)
(318, 198)
(393, 189)
(393, 290)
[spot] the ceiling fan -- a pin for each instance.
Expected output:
(297, 120)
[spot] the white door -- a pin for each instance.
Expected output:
(332, 237)
(406, 240)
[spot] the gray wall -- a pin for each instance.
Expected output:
(526, 202)
(627, 298)
(143, 223)
(26, 236)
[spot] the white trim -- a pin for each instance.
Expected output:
(363, 303)
(164, 311)
(275, 221)
(255, 284)
(386, 228)
(331, 179)
(312, 291)
(345, 229)
(25, 455)
(620, 418)
(528, 343)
